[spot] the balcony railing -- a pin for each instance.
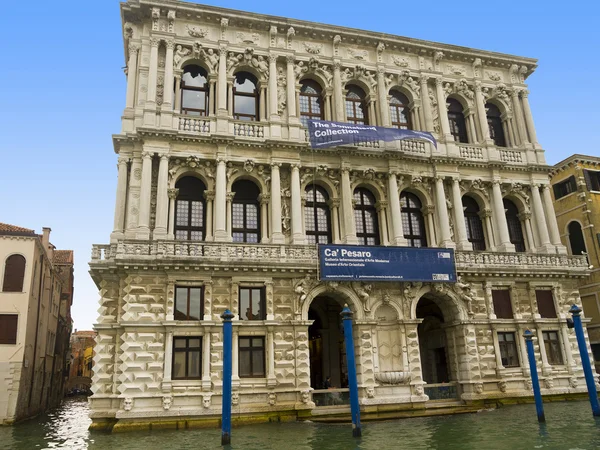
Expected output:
(306, 255)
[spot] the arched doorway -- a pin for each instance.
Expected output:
(326, 344)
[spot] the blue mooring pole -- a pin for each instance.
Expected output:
(535, 381)
(352, 382)
(585, 360)
(226, 412)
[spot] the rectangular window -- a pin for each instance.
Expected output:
(8, 328)
(252, 304)
(252, 357)
(502, 305)
(189, 303)
(187, 358)
(592, 179)
(552, 346)
(508, 349)
(565, 187)
(545, 303)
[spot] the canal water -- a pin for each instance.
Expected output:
(570, 425)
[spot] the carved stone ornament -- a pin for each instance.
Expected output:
(180, 53)
(206, 398)
(314, 67)
(248, 58)
(337, 39)
(399, 61)
(363, 290)
(393, 378)
(235, 398)
(302, 288)
(128, 403)
(249, 165)
(167, 401)
(456, 70)
(502, 386)
(281, 91)
(361, 55)
(196, 32)
(463, 88)
(494, 76)
(314, 49)
(247, 38)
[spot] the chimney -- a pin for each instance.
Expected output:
(48, 247)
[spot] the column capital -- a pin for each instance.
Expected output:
(291, 59)
(133, 48)
(275, 165)
(382, 204)
(264, 199)
(427, 210)
(222, 50)
(438, 177)
(169, 43)
(514, 94)
(524, 93)
(337, 65)
(334, 203)
(173, 193)
(486, 212)
(272, 58)
(295, 166)
(525, 215)
(123, 160)
(221, 160)
(164, 156)
(477, 86)
(230, 196)
(456, 179)
(155, 41)
(209, 195)
(438, 81)
(147, 154)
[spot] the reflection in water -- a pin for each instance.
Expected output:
(569, 425)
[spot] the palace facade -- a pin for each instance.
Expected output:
(220, 202)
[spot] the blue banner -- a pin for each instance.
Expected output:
(370, 263)
(323, 134)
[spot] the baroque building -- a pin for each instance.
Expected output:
(220, 202)
(36, 294)
(576, 189)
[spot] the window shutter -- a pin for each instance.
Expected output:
(588, 179)
(8, 328)
(556, 188)
(502, 305)
(14, 273)
(545, 302)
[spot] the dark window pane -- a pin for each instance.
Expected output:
(8, 328)
(195, 304)
(178, 365)
(545, 303)
(194, 364)
(14, 274)
(502, 304)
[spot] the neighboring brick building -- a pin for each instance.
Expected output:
(82, 352)
(35, 322)
(576, 189)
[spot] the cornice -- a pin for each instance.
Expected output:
(575, 159)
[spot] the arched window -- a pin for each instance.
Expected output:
(311, 101)
(194, 91)
(515, 230)
(576, 238)
(14, 274)
(494, 121)
(245, 212)
(316, 215)
(456, 119)
(473, 223)
(399, 112)
(245, 97)
(190, 220)
(365, 216)
(356, 106)
(413, 224)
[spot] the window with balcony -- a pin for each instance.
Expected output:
(592, 179)
(473, 223)
(508, 349)
(576, 239)
(413, 224)
(252, 357)
(565, 187)
(190, 208)
(515, 228)
(494, 120)
(311, 101)
(245, 97)
(317, 216)
(365, 216)
(245, 212)
(552, 346)
(252, 303)
(14, 274)
(502, 304)
(194, 91)
(189, 303)
(456, 120)
(356, 106)
(187, 358)
(399, 111)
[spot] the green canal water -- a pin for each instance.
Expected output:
(570, 425)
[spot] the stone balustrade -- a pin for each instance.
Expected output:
(249, 130)
(471, 152)
(193, 124)
(511, 156)
(305, 256)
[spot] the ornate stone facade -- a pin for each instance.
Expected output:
(139, 272)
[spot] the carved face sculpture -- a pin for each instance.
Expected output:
(167, 402)
(235, 398)
(128, 404)
(370, 392)
(206, 401)
(573, 382)
(479, 388)
(272, 399)
(419, 390)
(305, 396)
(502, 386)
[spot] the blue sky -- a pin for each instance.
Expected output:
(64, 92)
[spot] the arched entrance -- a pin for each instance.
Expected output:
(326, 344)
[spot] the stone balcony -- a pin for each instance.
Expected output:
(232, 256)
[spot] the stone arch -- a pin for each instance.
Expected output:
(317, 78)
(189, 172)
(578, 240)
(323, 182)
(482, 201)
(191, 60)
(422, 194)
(343, 294)
(521, 202)
(391, 304)
(454, 309)
(460, 98)
(503, 107)
(260, 77)
(404, 90)
(374, 188)
(369, 90)
(243, 175)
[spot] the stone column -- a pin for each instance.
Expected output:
(470, 122)
(489, 301)
(133, 197)
(460, 228)
(348, 209)
(178, 92)
(334, 206)
(529, 117)
(328, 103)
(131, 75)
(209, 196)
(397, 233)
(235, 355)
(172, 193)
(546, 368)
(162, 199)
(372, 119)
(298, 236)
(206, 381)
(382, 212)
(211, 95)
(264, 217)
(222, 83)
(276, 234)
(482, 115)
(168, 368)
(504, 244)
(426, 104)
(428, 211)
(273, 88)
(228, 213)
(271, 381)
(384, 111)
(150, 108)
(540, 220)
(443, 110)
(143, 230)
(220, 201)
(442, 214)
(525, 218)
(519, 117)
(262, 104)
(571, 366)
(486, 217)
(551, 220)
(121, 200)
(230, 98)
(168, 86)
(338, 95)
(291, 89)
